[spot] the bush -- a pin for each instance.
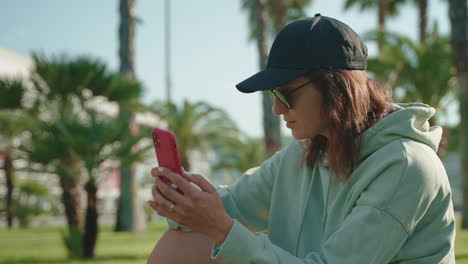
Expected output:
(31, 200)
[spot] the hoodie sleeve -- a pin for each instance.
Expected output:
(353, 243)
(248, 199)
(380, 221)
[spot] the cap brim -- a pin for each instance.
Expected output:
(268, 79)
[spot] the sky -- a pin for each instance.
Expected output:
(210, 49)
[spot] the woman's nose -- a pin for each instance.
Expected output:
(279, 108)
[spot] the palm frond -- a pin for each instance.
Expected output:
(11, 93)
(422, 72)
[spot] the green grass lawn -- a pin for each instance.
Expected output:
(43, 245)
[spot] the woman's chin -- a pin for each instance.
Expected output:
(297, 135)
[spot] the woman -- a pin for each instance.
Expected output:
(360, 184)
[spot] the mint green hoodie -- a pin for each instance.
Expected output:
(396, 208)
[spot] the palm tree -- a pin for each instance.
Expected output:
(234, 158)
(385, 8)
(126, 38)
(388, 8)
(458, 13)
(284, 11)
(281, 13)
(259, 23)
(130, 214)
(55, 157)
(61, 81)
(264, 14)
(96, 138)
(196, 125)
(422, 8)
(12, 124)
(64, 86)
(28, 200)
(421, 72)
(417, 72)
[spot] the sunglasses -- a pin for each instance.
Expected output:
(283, 96)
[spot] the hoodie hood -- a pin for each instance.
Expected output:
(407, 121)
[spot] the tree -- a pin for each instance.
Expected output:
(422, 8)
(97, 138)
(61, 83)
(130, 214)
(259, 22)
(12, 120)
(49, 151)
(63, 88)
(196, 126)
(126, 38)
(284, 11)
(388, 8)
(28, 201)
(416, 72)
(236, 157)
(458, 13)
(385, 8)
(264, 15)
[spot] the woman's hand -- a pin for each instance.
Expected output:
(200, 210)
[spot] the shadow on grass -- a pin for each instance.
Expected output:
(106, 259)
(461, 256)
(120, 257)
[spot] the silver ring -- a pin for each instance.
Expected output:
(171, 208)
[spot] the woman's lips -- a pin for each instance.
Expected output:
(290, 124)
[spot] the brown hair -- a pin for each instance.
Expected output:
(351, 103)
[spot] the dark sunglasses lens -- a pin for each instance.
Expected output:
(275, 94)
(283, 100)
(272, 95)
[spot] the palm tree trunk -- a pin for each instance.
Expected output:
(463, 83)
(167, 49)
(444, 143)
(126, 37)
(279, 15)
(443, 146)
(9, 175)
(124, 219)
(422, 20)
(262, 34)
(91, 223)
(382, 16)
(271, 122)
(71, 196)
(459, 31)
(185, 161)
(69, 177)
(130, 214)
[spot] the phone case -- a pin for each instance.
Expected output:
(167, 153)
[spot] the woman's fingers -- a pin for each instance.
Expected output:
(161, 210)
(201, 182)
(158, 197)
(169, 192)
(181, 183)
(160, 204)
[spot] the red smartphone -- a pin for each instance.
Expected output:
(167, 153)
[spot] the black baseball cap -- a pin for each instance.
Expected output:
(305, 45)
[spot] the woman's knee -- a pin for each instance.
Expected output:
(177, 246)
